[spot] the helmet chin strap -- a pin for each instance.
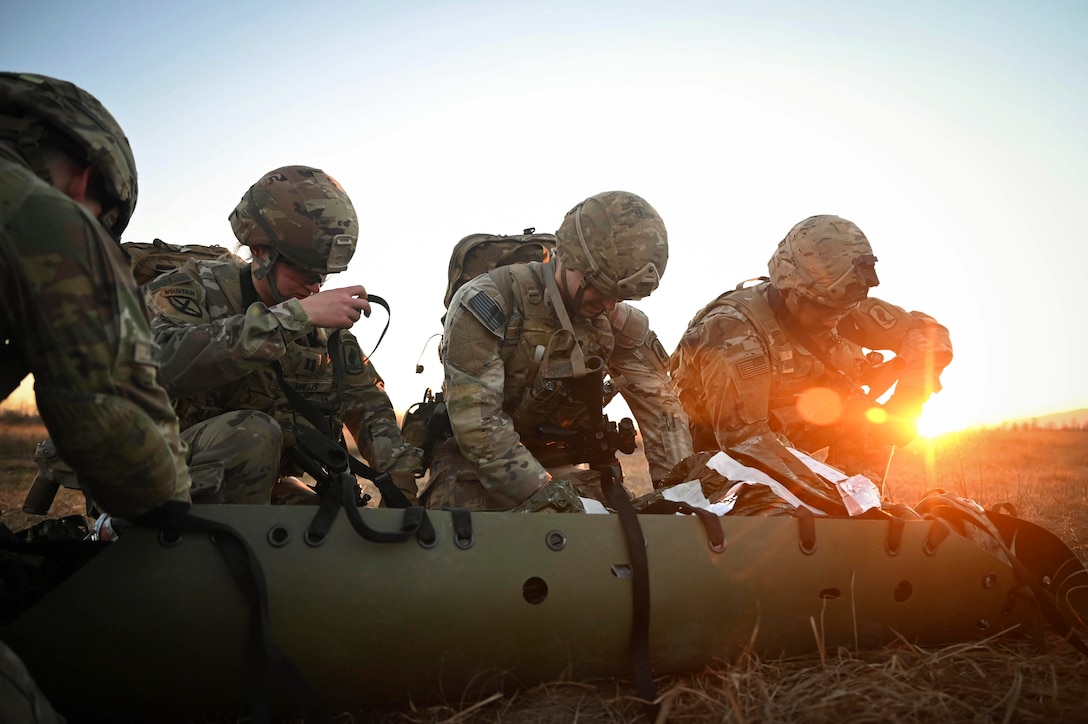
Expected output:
(573, 302)
(264, 272)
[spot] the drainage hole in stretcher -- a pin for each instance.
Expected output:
(903, 591)
(279, 536)
(830, 593)
(534, 590)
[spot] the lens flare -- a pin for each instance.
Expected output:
(876, 415)
(819, 406)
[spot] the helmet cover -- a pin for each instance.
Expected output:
(618, 241)
(827, 260)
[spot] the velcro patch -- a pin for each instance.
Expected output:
(487, 310)
(882, 316)
(183, 299)
(354, 359)
(753, 366)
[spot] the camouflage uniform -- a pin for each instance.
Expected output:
(70, 315)
(502, 330)
(739, 372)
(220, 350)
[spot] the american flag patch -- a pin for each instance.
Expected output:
(753, 366)
(487, 311)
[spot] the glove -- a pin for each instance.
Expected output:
(556, 496)
(107, 528)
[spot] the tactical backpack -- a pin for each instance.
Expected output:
(152, 260)
(478, 254)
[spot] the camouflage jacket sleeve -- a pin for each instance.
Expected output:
(369, 415)
(207, 340)
(71, 306)
(642, 364)
(723, 370)
(473, 386)
(922, 345)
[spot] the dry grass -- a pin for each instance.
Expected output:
(1044, 474)
(986, 682)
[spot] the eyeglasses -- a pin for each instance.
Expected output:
(306, 277)
(827, 312)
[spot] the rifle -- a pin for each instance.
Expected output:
(52, 474)
(596, 442)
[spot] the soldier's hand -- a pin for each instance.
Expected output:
(337, 308)
(556, 496)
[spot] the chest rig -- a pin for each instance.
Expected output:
(547, 356)
(314, 366)
(794, 368)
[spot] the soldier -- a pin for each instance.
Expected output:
(787, 356)
(238, 339)
(515, 343)
(70, 314)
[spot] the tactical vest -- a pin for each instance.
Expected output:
(307, 367)
(794, 369)
(530, 398)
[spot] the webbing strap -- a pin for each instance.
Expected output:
(711, 523)
(391, 494)
(388, 318)
(341, 493)
(612, 485)
(802, 337)
(265, 655)
(577, 357)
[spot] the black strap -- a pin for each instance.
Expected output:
(374, 298)
(612, 486)
(711, 523)
(265, 655)
(315, 446)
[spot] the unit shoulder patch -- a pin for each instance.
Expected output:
(883, 316)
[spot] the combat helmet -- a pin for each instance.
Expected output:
(827, 260)
(618, 241)
(303, 215)
(37, 110)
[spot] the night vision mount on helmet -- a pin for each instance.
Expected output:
(827, 260)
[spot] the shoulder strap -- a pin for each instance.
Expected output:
(800, 335)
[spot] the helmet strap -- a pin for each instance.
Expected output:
(593, 268)
(273, 289)
(572, 302)
(263, 271)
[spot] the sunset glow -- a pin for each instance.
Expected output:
(952, 135)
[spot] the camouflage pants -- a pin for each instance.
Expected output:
(234, 457)
(454, 483)
(20, 698)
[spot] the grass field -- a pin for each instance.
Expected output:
(1042, 473)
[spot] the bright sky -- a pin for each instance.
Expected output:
(952, 132)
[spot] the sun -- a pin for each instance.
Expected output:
(939, 420)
